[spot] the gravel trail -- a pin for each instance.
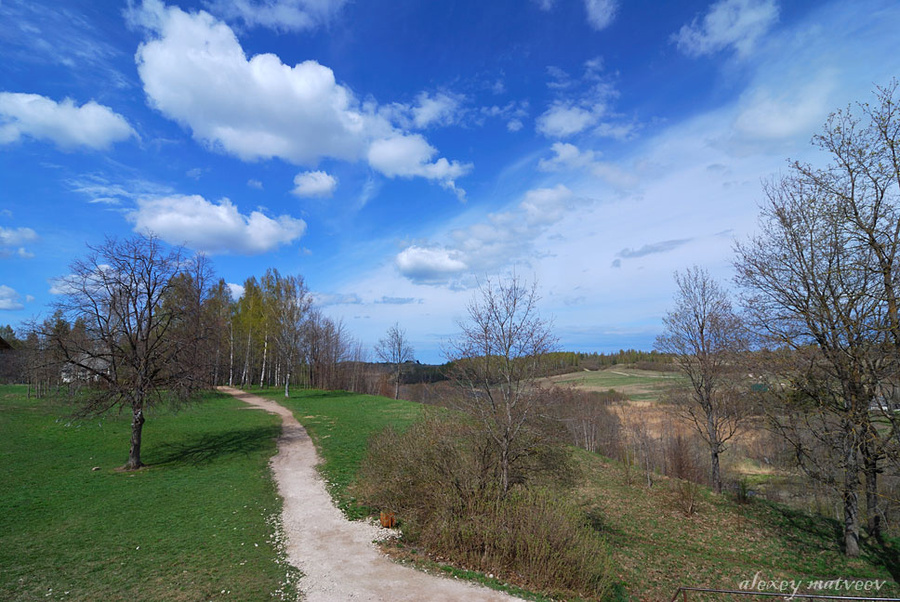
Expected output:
(337, 556)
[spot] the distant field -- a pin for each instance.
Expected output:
(638, 385)
(197, 524)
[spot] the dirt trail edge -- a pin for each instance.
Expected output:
(337, 556)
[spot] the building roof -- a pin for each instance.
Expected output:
(4, 344)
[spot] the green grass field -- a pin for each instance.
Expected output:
(199, 523)
(639, 385)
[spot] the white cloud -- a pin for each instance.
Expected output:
(429, 265)
(68, 126)
(440, 109)
(236, 290)
(563, 119)
(101, 189)
(253, 183)
(195, 71)
(600, 13)
(410, 155)
(487, 245)
(214, 227)
(10, 237)
(12, 241)
(735, 23)
(10, 300)
(570, 157)
(280, 15)
(513, 113)
(314, 184)
(327, 299)
(775, 115)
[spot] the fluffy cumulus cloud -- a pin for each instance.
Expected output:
(13, 240)
(314, 184)
(280, 15)
(194, 71)
(729, 23)
(214, 227)
(10, 299)
(563, 119)
(410, 155)
(499, 240)
(430, 265)
(64, 123)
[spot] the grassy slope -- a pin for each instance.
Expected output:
(656, 548)
(196, 525)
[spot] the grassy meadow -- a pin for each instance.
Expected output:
(199, 523)
(638, 385)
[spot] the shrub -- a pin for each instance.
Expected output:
(440, 480)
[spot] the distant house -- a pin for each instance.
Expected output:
(4, 345)
(84, 369)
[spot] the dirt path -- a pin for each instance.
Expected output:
(337, 556)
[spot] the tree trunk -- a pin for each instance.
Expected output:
(231, 355)
(851, 506)
(714, 471)
(397, 387)
(262, 374)
(137, 426)
(873, 515)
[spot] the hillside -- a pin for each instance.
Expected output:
(656, 547)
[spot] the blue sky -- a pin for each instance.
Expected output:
(396, 153)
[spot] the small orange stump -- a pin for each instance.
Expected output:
(387, 520)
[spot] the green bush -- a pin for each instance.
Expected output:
(439, 478)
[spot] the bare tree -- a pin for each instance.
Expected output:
(496, 360)
(706, 338)
(821, 279)
(128, 355)
(394, 349)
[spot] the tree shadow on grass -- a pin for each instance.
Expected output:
(883, 551)
(209, 448)
(802, 528)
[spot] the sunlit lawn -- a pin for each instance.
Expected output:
(196, 524)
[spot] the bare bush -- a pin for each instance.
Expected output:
(439, 478)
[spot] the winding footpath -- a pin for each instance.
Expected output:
(337, 557)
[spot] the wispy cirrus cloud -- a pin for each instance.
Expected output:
(279, 15)
(498, 240)
(736, 24)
